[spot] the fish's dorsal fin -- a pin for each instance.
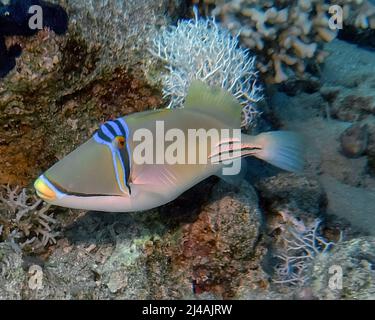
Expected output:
(214, 101)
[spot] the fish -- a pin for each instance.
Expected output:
(105, 174)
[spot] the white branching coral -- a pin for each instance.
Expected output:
(302, 244)
(200, 49)
(25, 221)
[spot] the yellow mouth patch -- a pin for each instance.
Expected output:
(43, 190)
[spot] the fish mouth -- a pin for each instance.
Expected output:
(45, 189)
(51, 191)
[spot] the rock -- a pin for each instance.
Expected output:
(294, 86)
(354, 141)
(354, 260)
(12, 276)
(219, 248)
(353, 107)
(354, 204)
(330, 94)
(371, 147)
(361, 37)
(371, 165)
(371, 140)
(300, 194)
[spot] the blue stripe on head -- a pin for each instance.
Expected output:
(108, 125)
(120, 131)
(104, 129)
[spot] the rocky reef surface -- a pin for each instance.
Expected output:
(274, 235)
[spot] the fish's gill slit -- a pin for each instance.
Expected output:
(120, 171)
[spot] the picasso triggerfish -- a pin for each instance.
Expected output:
(105, 173)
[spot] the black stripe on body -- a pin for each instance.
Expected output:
(102, 136)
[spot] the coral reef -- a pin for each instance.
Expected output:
(201, 49)
(217, 240)
(25, 222)
(351, 107)
(262, 27)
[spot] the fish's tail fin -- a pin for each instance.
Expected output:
(282, 149)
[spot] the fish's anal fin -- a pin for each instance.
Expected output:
(214, 101)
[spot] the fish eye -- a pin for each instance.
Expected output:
(119, 142)
(6, 14)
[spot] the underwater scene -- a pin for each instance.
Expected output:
(187, 149)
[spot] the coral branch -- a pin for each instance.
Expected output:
(201, 49)
(302, 245)
(25, 221)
